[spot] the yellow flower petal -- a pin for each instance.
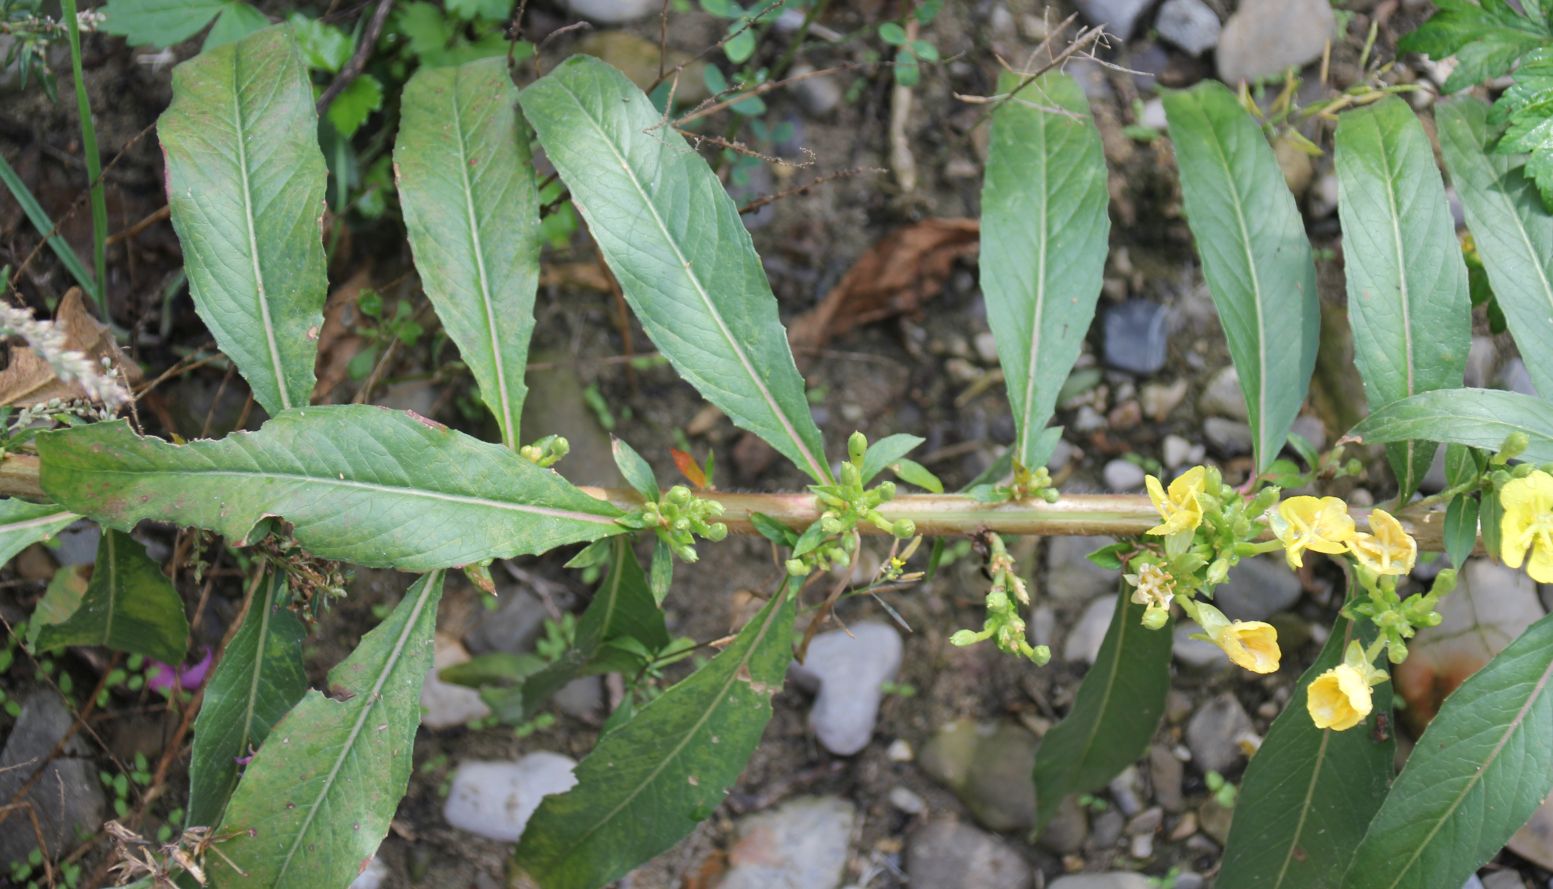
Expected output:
(1338, 699)
(1179, 507)
(1251, 644)
(1388, 549)
(1321, 525)
(1527, 524)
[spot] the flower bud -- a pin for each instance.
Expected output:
(796, 568)
(715, 532)
(904, 528)
(857, 446)
(962, 638)
(1155, 617)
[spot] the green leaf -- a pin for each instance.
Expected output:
(486, 10)
(1254, 252)
(648, 782)
(1044, 231)
(675, 241)
(159, 23)
(466, 182)
(885, 451)
(1479, 418)
(1461, 527)
(354, 104)
(1114, 714)
(260, 678)
(1308, 793)
(1407, 282)
(323, 46)
(634, 469)
(1485, 37)
(129, 606)
(1478, 772)
(913, 473)
(245, 181)
(1511, 227)
(236, 21)
(623, 608)
(22, 524)
(892, 33)
(315, 802)
(358, 483)
(1527, 107)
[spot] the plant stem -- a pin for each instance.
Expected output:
(93, 161)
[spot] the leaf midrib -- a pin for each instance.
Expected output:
(41, 521)
(240, 131)
(1402, 285)
(425, 493)
(477, 246)
(372, 699)
(1026, 434)
(111, 543)
(1476, 777)
(717, 702)
(816, 468)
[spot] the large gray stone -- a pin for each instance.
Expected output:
(1111, 880)
(802, 842)
(444, 704)
(1264, 37)
(513, 627)
(1070, 576)
(1118, 17)
(613, 12)
(1189, 24)
(988, 766)
(1257, 589)
(1214, 732)
(66, 797)
(1083, 643)
(951, 855)
(496, 799)
(849, 669)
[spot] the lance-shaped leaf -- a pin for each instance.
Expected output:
(1309, 793)
(129, 605)
(1114, 714)
(1255, 255)
(647, 783)
(315, 802)
(358, 483)
(260, 678)
(245, 182)
(1044, 233)
(22, 524)
(623, 608)
(1407, 283)
(1478, 772)
(1512, 229)
(1478, 418)
(675, 241)
(466, 183)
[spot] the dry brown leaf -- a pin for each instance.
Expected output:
(28, 379)
(900, 273)
(338, 342)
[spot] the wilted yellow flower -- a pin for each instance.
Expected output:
(1339, 699)
(1388, 549)
(1179, 507)
(1319, 524)
(1527, 524)
(1251, 644)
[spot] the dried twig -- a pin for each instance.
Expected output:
(748, 23)
(806, 187)
(358, 59)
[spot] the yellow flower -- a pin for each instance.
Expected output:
(1179, 508)
(1338, 699)
(1251, 644)
(1388, 550)
(1528, 524)
(1322, 525)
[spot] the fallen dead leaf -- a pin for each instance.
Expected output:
(28, 379)
(337, 341)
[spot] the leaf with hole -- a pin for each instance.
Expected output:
(315, 802)
(471, 209)
(649, 781)
(1407, 282)
(675, 241)
(1255, 255)
(358, 483)
(1480, 769)
(1044, 231)
(129, 606)
(259, 679)
(245, 183)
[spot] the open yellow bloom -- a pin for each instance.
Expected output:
(1388, 549)
(1322, 525)
(1338, 699)
(1527, 524)
(1179, 507)
(1251, 644)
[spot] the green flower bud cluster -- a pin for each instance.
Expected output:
(847, 503)
(546, 452)
(1397, 618)
(678, 518)
(1004, 626)
(1026, 484)
(1228, 531)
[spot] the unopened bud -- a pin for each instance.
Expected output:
(857, 446)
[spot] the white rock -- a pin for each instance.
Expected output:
(444, 704)
(1189, 24)
(1179, 452)
(802, 842)
(849, 671)
(1123, 475)
(1083, 642)
(496, 799)
(1222, 396)
(1215, 732)
(613, 12)
(952, 855)
(907, 800)
(1264, 37)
